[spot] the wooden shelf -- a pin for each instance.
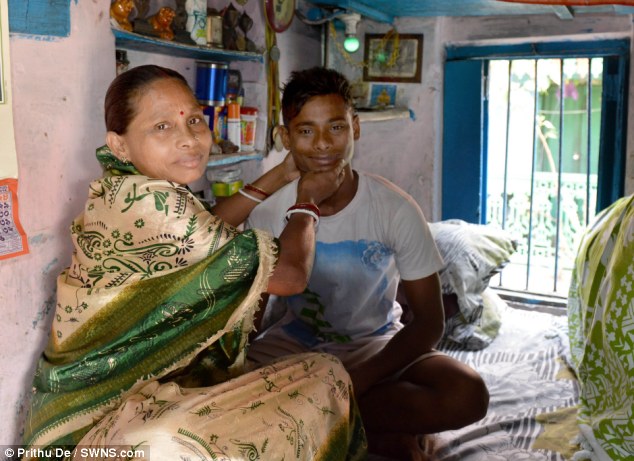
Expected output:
(137, 42)
(381, 115)
(230, 159)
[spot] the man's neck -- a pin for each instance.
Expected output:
(344, 195)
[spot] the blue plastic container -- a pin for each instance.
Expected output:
(211, 82)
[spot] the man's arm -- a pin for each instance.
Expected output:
(420, 335)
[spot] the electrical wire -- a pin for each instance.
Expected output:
(316, 22)
(391, 34)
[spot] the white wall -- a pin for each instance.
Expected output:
(409, 152)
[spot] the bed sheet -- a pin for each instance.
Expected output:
(534, 395)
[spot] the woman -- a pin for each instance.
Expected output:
(156, 306)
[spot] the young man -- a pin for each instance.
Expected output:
(370, 236)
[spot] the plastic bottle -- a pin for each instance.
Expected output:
(248, 118)
(233, 124)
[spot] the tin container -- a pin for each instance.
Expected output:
(214, 31)
(211, 83)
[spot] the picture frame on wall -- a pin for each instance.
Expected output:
(382, 95)
(387, 64)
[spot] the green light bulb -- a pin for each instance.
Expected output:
(351, 44)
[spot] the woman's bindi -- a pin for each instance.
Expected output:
(182, 113)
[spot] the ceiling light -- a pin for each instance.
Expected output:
(351, 42)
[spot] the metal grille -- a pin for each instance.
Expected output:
(543, 129)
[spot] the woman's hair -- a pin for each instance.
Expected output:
(316, 81)
(121, 97)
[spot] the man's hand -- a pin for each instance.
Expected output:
(317, 186)
(290, 169)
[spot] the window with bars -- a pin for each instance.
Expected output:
(540, 151)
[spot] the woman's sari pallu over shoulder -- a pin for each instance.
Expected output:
(151, 315)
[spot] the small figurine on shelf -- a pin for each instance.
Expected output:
(179, 23)
(120, 11)
(161, 23)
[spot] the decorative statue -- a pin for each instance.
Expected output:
(161, 22)
(120, 10)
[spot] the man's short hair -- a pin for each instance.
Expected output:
(316, 81)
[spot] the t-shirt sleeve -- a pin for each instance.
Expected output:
(257, 220)
(416, 253)
(269, 215)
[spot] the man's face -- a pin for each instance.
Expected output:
(323, 132)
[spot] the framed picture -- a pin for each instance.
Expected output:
(387, 64)
(382, 95)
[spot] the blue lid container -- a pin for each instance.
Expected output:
(211, 82)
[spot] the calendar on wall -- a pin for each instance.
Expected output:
(13, 240)
(12, 237)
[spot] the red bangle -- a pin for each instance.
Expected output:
(257, 190)
(306, 206)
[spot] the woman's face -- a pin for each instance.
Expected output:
(168, 137)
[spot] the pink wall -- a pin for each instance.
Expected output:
(58, 88)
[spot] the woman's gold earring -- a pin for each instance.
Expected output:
(125, 160)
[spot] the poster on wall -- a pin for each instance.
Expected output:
(13, 240)
(12, 237)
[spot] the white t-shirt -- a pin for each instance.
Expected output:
(361, 252)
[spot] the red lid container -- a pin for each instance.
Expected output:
(246, 110)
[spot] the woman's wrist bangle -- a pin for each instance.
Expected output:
(311, 213)
(306, 208)
(257, 190)
(249, 196)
